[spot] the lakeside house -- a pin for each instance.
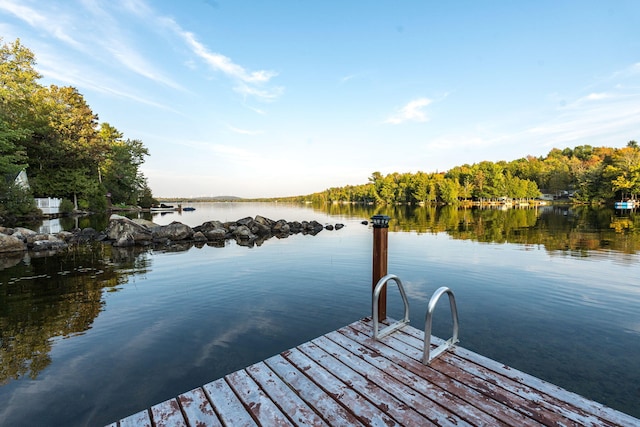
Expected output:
(48, 205)
(21, 180)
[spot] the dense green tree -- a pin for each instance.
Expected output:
(120, 170)
(385, 187)
(624, 172)
(66, 158)
(12, 157)
(53, 133)
(449, 190)
(18, 84)
(420, 187)
(146, 199)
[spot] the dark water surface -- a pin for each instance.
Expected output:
(92, 335)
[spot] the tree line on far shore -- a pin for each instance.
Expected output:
(51, 133)
(591, 175)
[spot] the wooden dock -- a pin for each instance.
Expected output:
(345, 378)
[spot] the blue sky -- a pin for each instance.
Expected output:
(278, 98)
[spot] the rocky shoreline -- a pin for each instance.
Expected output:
(125, 232)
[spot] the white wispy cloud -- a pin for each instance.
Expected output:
(244, 131)
(607, 113)
(132, 59)
(597, 96)
(137, 7)
(268, 94)
(248, 83)
(50, 68)
(597, 116)
(54, 25)
(631, 71)
(222, 63)
(347, 78)
(105, 42)
(256, 110)
(113, 40)
(412, 112)
(96, 29)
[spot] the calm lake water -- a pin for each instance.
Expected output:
(98, 333)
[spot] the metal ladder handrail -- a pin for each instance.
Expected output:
(427, 357)
(376, 295)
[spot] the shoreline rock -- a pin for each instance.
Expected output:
(124, 232)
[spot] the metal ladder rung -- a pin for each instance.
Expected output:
(376, 295)
(429, 355)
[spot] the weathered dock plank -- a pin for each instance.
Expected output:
(363, 409)
(168, 414)
(297, 409)
(263, 409)
(197, 409)
(367, 385)
(228, 407)
(346, 378)
(141, 419)
(326, 406)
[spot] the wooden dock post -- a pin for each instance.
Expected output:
(380, 245)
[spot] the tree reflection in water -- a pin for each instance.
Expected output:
(560, 229)
(60, 295)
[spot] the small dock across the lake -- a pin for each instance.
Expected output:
(346, 378)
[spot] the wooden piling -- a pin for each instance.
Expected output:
(379, 266)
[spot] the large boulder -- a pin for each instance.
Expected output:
(244, 233)
(208, 226)
(11, 244)
(123, 228)
(10, 259)
(199, 237)
(264, 221)
(213, 230)
(174, 231)
(124, 240)
(312, 227)
(45, 242)
(261, 226)
(87, 235)
(23, 233)
(245, 221)
(281, 227)
(295, 226)
(216, 234)
(145, 222)
(67, 236)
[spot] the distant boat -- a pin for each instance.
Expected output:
(629, 204)
(188, 208)
(163, 208)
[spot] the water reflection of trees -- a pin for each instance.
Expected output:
(56, 296)
(574, 230)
